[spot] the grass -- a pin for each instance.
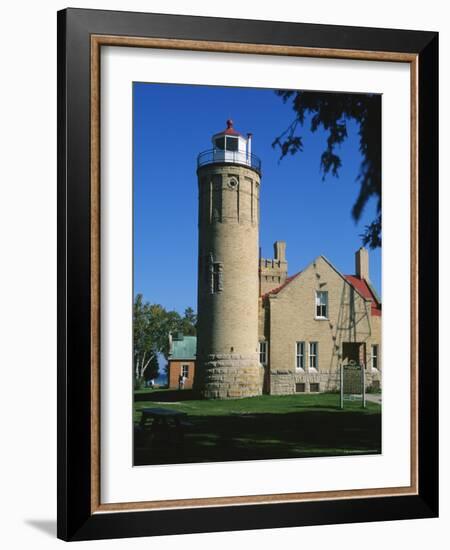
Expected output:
(268, 426)
(269, 404)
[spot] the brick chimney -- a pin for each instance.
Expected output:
(279, 248)
(273, 271)
(362, 264)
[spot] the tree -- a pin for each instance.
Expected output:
(152, 371)
(151, 327)
(189, 322)
(332, 111)
(143, 342)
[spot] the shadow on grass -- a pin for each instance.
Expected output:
(269, 436)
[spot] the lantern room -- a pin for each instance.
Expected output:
(230, 147)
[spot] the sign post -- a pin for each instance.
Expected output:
(353, 383)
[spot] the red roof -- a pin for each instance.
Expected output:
(364, 289)
(278, 288)
(229, 130)
(359, 284)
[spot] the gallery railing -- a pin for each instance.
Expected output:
(214, 156)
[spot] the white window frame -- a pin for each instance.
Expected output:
(263, 352)
(318, 303)
(314, 355)
(182, 370)
(232, 140)
(374, 356)
(300, 355)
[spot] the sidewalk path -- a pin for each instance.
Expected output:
(374, 397)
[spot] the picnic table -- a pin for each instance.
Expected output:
(163, 425)
(163, 417)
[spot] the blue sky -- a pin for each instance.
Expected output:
(172, 125)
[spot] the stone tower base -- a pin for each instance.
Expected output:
(230, 376)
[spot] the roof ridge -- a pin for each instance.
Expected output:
(280, 287)
(366, 287)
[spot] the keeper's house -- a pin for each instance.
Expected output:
(181, 360)
(314, 321)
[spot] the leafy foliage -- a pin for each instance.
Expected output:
(189, 322)
(152, 324)
(332, 111)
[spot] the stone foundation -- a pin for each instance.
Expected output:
(284, 382)
(229, 376)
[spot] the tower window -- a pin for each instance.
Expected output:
(220, 143)
(216, 278)
(321, 304)
(232, 144)
(216, 269)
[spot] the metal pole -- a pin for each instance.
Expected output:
(342, 386)
(364, 386)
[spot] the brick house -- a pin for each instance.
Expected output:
(315, 321)
(181, 360)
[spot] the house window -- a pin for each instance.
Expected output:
(313, 355)
(375, 356)
(300, 355)
(263, 353)
(300, 387)
(321, 304)
(185, 371)
(314, 387)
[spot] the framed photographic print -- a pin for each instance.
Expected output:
(247, 274)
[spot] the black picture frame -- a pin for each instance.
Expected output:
(76, 521)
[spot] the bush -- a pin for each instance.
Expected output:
(373, 389)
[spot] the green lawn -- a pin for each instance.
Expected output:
(291, 426)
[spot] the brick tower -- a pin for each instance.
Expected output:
(227, 343)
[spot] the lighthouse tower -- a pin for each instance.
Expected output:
(227, 343)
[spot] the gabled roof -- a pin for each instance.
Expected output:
(278, 288)
(361, 286)
(184, 347)
(366, 291)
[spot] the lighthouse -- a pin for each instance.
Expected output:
(229, 176)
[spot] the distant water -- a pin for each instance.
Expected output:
(161, 380)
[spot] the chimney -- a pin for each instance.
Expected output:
(279, 248)
(170, 343)
(362, 264)
(249, 148)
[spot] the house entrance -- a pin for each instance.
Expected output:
(354, 352)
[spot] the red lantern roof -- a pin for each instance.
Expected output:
(229, 130)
